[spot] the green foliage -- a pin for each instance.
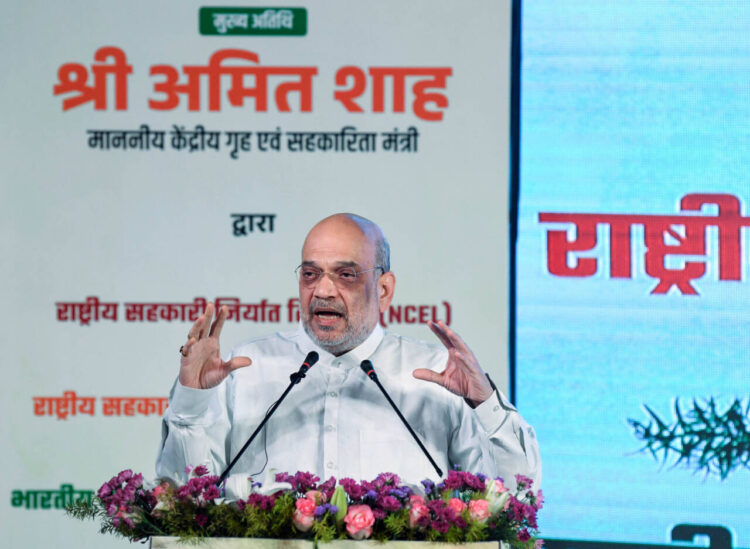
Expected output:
(281, 516)
(432, 535)
(397, 524)
(324, 530)
(83, 510)
(476, 532)
(454, 535)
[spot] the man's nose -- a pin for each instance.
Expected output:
(326, 287)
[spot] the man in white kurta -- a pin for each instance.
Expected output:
(336, 422)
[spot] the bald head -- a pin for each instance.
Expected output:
(348, 223)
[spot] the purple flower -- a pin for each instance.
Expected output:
(211, 493)
(523, 482)
(200, 471)
(379, 514)
(304, 482)
(441, 526)
(262, 502)
(104, 491)
(124, 476)
(201, 519)
(390, 479)
(523, 535)
(328, 487)
(371, 494)
(401, 493)
(473, 481)
(199, 489)
(429, 486)
(321, 510)
(523, 512)
(423, 521)
(118, 497)
(462, 480)
(453, 481)
(352, 488)
(389, 503)
(301, 482)
(285, 477)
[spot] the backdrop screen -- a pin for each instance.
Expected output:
(159, 155)
(633, 294)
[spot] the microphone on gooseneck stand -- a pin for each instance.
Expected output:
(310, 360)
(369, 370)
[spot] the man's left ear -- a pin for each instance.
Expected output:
(386, 287)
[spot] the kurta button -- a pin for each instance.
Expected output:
(331, 465)
(333, 394)
(496, 408)
(329, 428)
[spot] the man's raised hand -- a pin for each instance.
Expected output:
(462, 374)
(201, 366)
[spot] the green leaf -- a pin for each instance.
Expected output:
(339, 500)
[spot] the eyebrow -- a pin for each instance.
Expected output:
(337, 264)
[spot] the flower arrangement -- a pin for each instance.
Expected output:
(462, 508)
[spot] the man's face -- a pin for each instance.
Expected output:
(339, 317)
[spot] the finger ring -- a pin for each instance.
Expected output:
(181, 349)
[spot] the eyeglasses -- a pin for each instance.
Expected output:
(343, 277)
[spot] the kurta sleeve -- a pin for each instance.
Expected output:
(513, 444)
(195, 430)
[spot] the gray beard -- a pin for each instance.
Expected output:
(337, 347)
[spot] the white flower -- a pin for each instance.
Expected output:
(238, 487)
(497, 495)
(270, 486)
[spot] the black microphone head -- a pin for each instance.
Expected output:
(311, 358)
(368, 368)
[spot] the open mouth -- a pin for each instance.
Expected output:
(327, 314)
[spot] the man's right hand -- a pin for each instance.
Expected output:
(201, 366)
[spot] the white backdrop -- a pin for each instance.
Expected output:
(137, 226)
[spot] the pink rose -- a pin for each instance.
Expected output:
(316, 496)
(415, 499)
(304, 515)
(457, 505)
(479, 510)
(359, 520)
(416, 512)
(160, 489)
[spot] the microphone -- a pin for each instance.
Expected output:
(310, 360)
(369, 370)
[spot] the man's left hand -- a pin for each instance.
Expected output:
(462, 374)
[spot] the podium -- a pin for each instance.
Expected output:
(264, 543)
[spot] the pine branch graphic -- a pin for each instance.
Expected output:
(701, 437)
